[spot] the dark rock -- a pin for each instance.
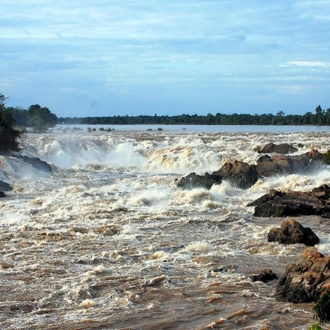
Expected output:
(2, 194)
(306, 280)
(292, 232)
(5, 186)
(265, 276)
(238, 173)
(293, 203)
(283, 148)
(37, 163)
(194, 180)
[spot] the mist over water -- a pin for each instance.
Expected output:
(107, 240)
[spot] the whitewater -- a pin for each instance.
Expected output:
(107, 240)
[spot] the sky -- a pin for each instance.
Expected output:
(143, 57)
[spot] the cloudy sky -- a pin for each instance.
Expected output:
(115, 57)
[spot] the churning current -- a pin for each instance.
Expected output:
(107, 240)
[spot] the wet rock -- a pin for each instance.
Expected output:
(282, 148)
(265, 276)
(292, 232)
(239, 173)
(4, 186)
(305, 280)
(194, 180)
(37, 163)
(284, 164)
(293, 203)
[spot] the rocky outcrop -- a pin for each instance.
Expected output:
(36, 162)
(305, 280)
(194, 180)
(244, 175)
(4, 186)
(293, 203)
(265, 276)
(282, 148)
(283, 164)
(2, 194)
(240, 174)
(292, 232)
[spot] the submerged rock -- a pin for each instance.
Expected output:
(282, 148)
(306, 280)
(293, 203)
(265, 276)
(292, 232)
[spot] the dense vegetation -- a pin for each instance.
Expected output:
(36, 117)
(320, 117)
(8, 134)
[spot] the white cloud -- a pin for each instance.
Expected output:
(91, 47)
(306, 64)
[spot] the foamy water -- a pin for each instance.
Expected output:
(107, 240)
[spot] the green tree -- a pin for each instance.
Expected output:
(41, 118)
(8, 134)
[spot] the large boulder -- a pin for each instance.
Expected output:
(194, 180)
(305, 280)
(239, 173)
(270, 166)
(293, 203)
(282, 148)
(284, 164)
(292, 232)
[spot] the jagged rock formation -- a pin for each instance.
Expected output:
(305, 280)
(293, 203)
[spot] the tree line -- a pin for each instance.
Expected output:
(320, 117)
(13, 123)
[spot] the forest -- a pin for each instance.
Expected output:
(319, 117)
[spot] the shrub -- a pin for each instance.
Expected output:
(326, 157)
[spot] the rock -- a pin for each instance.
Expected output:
(270, 166)
(2, 194)
(194, 180)
(37, 163)
(292, 232)
(4, 186)
(239, 173)
(282, 148)
(293, 203)
(284, 164)
(305, 280)
(265, 276)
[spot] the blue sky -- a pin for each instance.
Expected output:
(106, 58)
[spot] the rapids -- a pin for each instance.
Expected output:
(107, 240)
